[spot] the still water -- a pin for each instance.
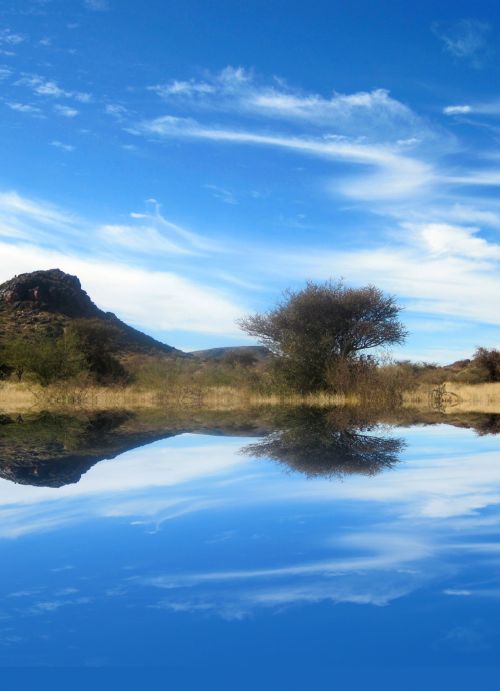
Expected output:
(285, 540)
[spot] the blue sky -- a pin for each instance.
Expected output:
(190, 160)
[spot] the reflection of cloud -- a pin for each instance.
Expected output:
(467, 639)
(376, 577)
(121, 488)
(213, 473)
(415, 514)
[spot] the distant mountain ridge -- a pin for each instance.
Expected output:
(50, 300)
(260, 353)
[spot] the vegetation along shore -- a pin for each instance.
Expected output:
(320, 345)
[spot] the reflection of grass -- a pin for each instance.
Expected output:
(457, 397)
(19, 397)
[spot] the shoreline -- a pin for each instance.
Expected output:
(448, 398)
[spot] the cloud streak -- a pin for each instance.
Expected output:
(399, 174)
(121, 286)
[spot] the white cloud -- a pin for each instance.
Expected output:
(466, 39)
(135, 294)
(29, 215)
(489, 108)
(117, 284)
(482, 178)
(43, 87)
(397, 175)
(66, 111)
(145, 240)
(82, 96)
(374, 115)
(96, 5)
(116, 110)
(183, 88)
(49, 88)
(61, 145)
(457, 110)
(8, 37)
(24, 108)
(436, 268)
(220, 193)
(33, 219)
(464, 213)
(165, 228)
(449, 240)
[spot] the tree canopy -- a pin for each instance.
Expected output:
(315, 329)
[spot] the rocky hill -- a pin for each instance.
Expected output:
(47, 301)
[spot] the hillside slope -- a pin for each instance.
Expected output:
(47, 301)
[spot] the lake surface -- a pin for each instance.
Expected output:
(287, 541)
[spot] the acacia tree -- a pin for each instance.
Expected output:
(313, 330)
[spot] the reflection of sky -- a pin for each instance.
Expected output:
(186, 547)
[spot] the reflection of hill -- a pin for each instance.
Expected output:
(328, 443)
(52, 450)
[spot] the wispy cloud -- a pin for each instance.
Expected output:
(62, 146)
(436, 268)
(119, 285)
(221, 193)
(24, 108)
(179, 304)
(96, 5)
(399, 174)
(475, 108)
(374, 115)
(66, 111)
(49, 88)
(466, 39)
(116, 110)
(43, 87)
(190, 240)
(10, 38)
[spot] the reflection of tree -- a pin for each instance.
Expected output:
(487, 424)
(328, 443)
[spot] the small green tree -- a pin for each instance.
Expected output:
(98, 342)
(44, 359)
(18, 356)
